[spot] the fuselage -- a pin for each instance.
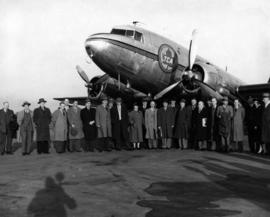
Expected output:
(151, 62)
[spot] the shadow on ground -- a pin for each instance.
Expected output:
(197, 199)
(52, 200)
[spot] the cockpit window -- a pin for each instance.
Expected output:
(128, 33)
(138, 36)
(118, 31)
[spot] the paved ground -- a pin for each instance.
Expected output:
(141, 183)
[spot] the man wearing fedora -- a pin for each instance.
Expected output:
(26, 124)
(120, 121)
(6, 116)
(42, 119)
(266, 123)
(103, 123)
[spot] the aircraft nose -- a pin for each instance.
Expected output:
(95, 45)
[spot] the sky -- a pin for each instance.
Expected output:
(41, 42)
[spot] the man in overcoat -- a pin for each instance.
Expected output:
(225, 115)
(75, 128)
(120, 121)
(266, 122)
(103, 124)
(212, 127)
(42, 119)
(165, 123)
(6, 117)
(88, 115)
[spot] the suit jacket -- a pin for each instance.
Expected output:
(20, 117)
(5, 126)
(266, 125)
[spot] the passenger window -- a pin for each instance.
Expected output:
(118, 31)
(130, 33)
(138, 36)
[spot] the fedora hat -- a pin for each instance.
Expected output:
(104, 98)
(26, 103)
(41, 100)
(266, 95)
(87, 100)
(183, 100)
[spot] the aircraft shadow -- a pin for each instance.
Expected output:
(52, 200)
(196, 199)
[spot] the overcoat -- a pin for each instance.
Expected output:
(165, 121)
(238, 124)
(266, 125)
(212, 124)
(182, 123)
(90, 131)
(60, 125)
(224, 120)
(4, 125)
(103, 120)
(136, 124)
(150, 121)
(201, 125)
(120, 127)
(42, 120)
(20, 117)
(257, 123)
(74, 119)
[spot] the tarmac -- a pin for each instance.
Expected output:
(152, 183)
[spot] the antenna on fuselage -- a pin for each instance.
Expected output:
(137, 22)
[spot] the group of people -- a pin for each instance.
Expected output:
(199, 125)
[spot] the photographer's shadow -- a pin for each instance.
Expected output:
(52, 200)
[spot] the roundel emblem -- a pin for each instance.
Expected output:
(167, 58)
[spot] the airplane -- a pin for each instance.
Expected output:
(139, 63)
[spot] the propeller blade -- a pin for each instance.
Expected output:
(192, 49)
(166, 90)
(82, 74)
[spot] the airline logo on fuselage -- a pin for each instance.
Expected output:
(167, 58)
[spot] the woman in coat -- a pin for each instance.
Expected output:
(75, 127)
(60, 127)
(150, 122)
(88, 116)
(238, 125)
(182, 125)
(201, 126)
(136, 124)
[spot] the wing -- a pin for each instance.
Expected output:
(255, 90)
(80, 99)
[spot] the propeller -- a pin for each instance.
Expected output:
(188, 75)
(82, 74)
